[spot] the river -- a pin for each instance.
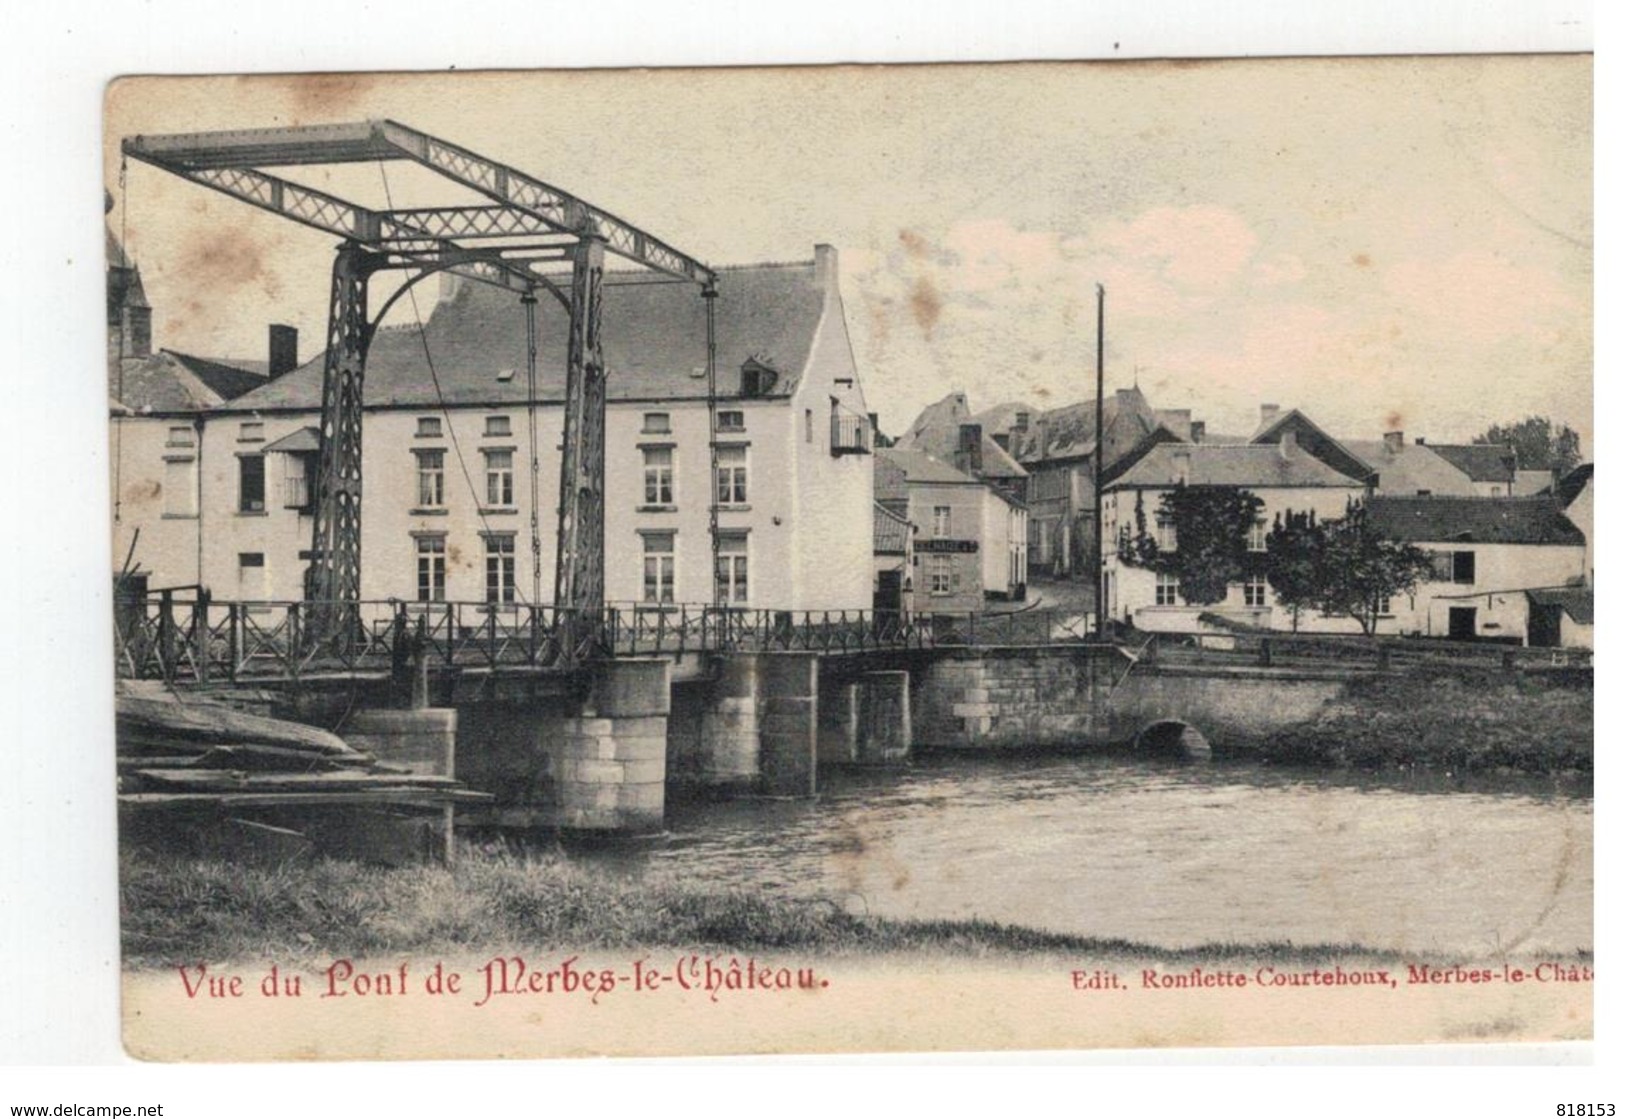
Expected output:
(1165, 854)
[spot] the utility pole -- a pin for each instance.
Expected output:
(1100, 460)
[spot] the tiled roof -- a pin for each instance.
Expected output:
(1229, 464)
(1482, 462)
(892, 532)
(919, 467)
(1578, 603)
(654, 344)
(1480, 520)
(1410, 470)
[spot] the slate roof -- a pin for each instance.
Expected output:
(1482, 462)
(1479, 520)
(228, 379)
(302, 441)
(654, 344)
(1069, 431)
(1311, 437)
(1578, 603)
(892, 532)
(919, 467)
(1415, 467)
(1248, 465)
(936, 432)
(158, 383)
(1571, 484)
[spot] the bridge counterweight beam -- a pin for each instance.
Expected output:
(578, 586)
(335, 574)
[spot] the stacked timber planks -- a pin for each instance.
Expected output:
(212, 767)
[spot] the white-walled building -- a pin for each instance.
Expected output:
(1490, 556)
(451, 509)
(1284, 475)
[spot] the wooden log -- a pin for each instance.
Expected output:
(274, 759)
(233, 780)
(333, 798)
(174, 727)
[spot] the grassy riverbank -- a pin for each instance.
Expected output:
(176, 909)
(1485, 722)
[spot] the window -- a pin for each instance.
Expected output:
(1167, 538)
(296, 473)
(940, 574)
(1464, 567)
(499, 568)
(431, 479)
(659, 567)
(1252, 591)
(1258, 536)
(180, 487)
(251, 584)
(431, 569)
(498, 425)
(1385, 606)
(730, 421)
(657, 476)
(942, 521)
(181, 437)
(733, 583)
(1455, 567)
(251, 484)
(807, 426)
(656, 423)
(429, 427)
(250, 432)
(499, 479)
(1167, 589)
(731, 488)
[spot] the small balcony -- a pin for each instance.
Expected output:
(848, 433)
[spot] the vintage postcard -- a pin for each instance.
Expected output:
(838, 559)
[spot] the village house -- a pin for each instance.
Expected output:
(1508, 569)
(1291, 466)
(157, 403)
(970, 542)
(1411, 469)
(461, 456)
(1493, 470)
(1574, 492)
(894, 557)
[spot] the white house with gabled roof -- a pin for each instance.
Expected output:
(453, 510)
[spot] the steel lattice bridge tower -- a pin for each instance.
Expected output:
(527, 226)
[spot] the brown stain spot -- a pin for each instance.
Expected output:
(1362, 260)
(1393, 421)
(331, 96)
(455, 554)
(913, 244)
(1394, 330)
(1041, 392)
(224, 259)
(926, 304)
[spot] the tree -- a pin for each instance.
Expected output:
(1293, 554)
(1538, 444)
(1210, 526)
(1344, 566)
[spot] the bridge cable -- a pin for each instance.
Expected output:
(451, 429)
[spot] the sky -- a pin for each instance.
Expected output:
(1400, 243)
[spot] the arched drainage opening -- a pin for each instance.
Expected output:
(1171, 738)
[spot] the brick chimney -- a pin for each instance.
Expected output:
(1268, 414)
(1394, 441)
(826, 267)
(968, 456)
(283, 346)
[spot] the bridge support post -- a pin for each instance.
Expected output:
(610, 766)
(788, 724)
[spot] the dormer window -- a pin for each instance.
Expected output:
(429, 427)
(756, 378)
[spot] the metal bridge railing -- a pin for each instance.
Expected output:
(190, 637)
